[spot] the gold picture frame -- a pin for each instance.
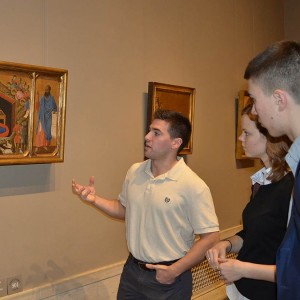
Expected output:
(241, 101)
(32, 113)
(172, 97)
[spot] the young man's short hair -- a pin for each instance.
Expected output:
(179, 125)
(277, 67)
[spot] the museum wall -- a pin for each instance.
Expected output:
(112, 49)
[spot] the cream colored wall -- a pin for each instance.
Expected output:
(112, 49)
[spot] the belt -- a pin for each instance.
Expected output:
(142, 264)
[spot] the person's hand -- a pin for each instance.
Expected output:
(215, 253)
(164, 274)
(230, 270)
(86, 192)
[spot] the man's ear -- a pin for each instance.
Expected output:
(280, 97)
(176, 143)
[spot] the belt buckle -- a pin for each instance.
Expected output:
(143, 266)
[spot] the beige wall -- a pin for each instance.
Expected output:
(112, 49)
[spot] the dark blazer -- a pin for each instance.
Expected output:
(288, 255)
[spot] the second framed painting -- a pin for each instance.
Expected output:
(172, 97)
(241, 101)
(32, 114)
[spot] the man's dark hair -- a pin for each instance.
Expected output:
(179, 125)
(277, 67)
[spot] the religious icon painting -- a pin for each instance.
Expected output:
(32, 113)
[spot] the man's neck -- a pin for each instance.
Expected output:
(292, 122)
(162, 167)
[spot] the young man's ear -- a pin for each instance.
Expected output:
(176, 143)
(280, 97)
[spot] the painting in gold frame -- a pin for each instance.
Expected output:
(241, 101)
(32, 113)
(172, 97)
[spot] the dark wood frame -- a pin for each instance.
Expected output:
(241, 102)
(172, 97)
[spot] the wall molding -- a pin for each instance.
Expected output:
(102, 284)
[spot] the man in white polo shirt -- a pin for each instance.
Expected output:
(164, 204)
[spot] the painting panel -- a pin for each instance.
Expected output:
(241, 101)
(172, 97)
(32, 113)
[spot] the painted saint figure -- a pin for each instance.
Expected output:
(17, 139)
(43, 130)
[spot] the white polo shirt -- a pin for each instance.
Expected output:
(164, 213)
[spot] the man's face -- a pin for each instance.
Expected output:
(158, 142)
(47, 91)
(266, 108)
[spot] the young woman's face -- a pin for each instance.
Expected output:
(254, 143)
